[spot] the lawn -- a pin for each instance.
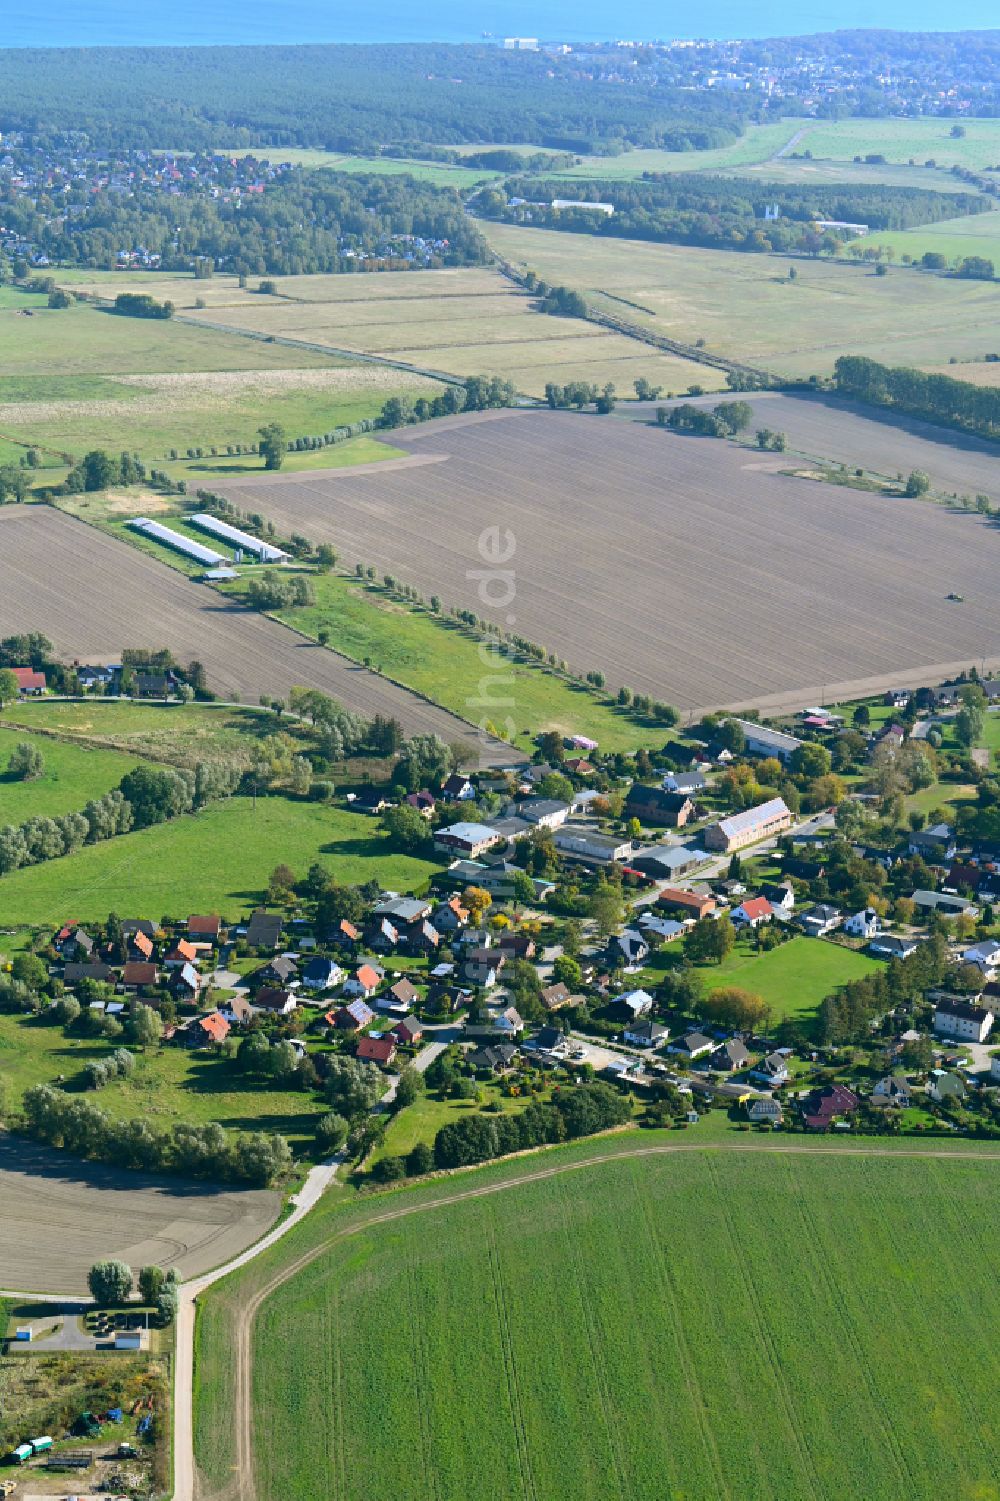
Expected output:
(72, 775)
(645, 1314)
(438, 660)
(793, 978)
(422, 1120)
(216, 861)
(169, 1084)
(745, 307)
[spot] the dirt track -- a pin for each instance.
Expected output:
(243, 1485)
(686, 568)
(92, 595)
(59, 1215)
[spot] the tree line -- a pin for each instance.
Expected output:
(571, 1113)
(730, 213)
(79, 1126)
(937, 398)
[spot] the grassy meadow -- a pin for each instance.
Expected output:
(218, 860)
(745, 306)
(435, 657)
(179, 733)
(644, 1313)
(72, 775)
(792, 979)
(462, 322)
(975, 234)
(921, 140)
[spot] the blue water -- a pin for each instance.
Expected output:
(79, 23)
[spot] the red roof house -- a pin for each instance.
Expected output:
(376, 1049)
(28, 680)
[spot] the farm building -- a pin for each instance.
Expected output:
(469, 839)
(265, 551)
(169, 538)
(580, 843)
(762, 741)
(29, 682)
(749, 827)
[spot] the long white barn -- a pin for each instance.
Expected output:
(177, 541)
(263, 550)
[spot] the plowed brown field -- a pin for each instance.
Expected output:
(687, 568)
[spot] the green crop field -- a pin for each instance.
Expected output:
(438, 660)
(793, 978)
(745, 306)
(72, 775)
(722, 1325)
(215, 861)
(974, 234)
(922, 140)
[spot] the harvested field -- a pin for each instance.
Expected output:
(60, 1215)
(92, 595)
(462, 322)
(745, 307)
(864, 437)
(687, 568)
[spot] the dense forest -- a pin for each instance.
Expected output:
(937, 398)
(347, 98)
(302, 222)
(729, 212)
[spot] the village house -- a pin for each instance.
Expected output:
(780, 895)
(762, 1110)
(645, 1034)
(945, 1088)
(892, 1092)
(749, 827)
(824, 1106)
(321, 974)
(629, 948)
(274, 1001)
(30, 683)
(771, 1071)
(408, 1031)
(543, 812)
(820, 920)
(555, 996)
(351, 1017)
(405, 993)
(468, 839)
(139, 976)
(424, 803)
(985, 956)
(204, 929)
(457, 788)
(691, 783)
(204, 1031)
(264, 930)
(936, 844)
(752, 912)
(692, 1045)
(889, 946)
(87, 969)
(237, 1010)
(730, 1056)
(655, 805)
(864, 924)
(493, 1058)
(380, 1050)
(185, 983)
(636, 1002)
(579, 842)
(182, 953)
(691, 903)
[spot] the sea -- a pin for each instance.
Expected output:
(153, 23)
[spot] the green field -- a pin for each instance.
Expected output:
(437, 659)
(711, 1324)
(441, 174)
(180, 733)
(745, 307)
(759, 144)
(975, 234)
(73, 774)
(919, 140)
(169, 1084)
(215, 861)
(793, 978)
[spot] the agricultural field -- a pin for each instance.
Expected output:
(793, 978)
(927, 138)
(677, 556)
(605, 1304)
(744, 306)
(72, 775)
(836, 431)
(466, 322)
(93, 595)
(162, 414)
(438, 659)
(974, 234)
(218, 860)
(136, 1216)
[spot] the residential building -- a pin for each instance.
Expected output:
(408, 1031)
(658, 806)
(457, 788)
(892, 1092)
(945, 1088)
(554, 996)
(688, 782)
(985, 956)
(936, 844)
(354, 1015)
(691, 903)
(750, 827)
(730, 1056)
(467, 839)
(264, 930)
(364, 982)
(638, 1002)
(645, 1034)
(889, 946)
(780, 895)
(544, 812)
(274, 1001)
(966, 1021)
(205, 1031)
(823, 1107)
(380, 1050)
(752, 912)
(771, 1071)
(864, 924)
(820, 920)
(692, 1045)
(29, 682)
(629, 948)
(321, 974)
(204, 929)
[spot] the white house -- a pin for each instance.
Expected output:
(820, 920)
(942, 1086)
(772, 1070)
(692, 1045)
(753, 911)
(985, 956)
(645, 1034)
(963, 1020)
(864, 924)
(637, 1001)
